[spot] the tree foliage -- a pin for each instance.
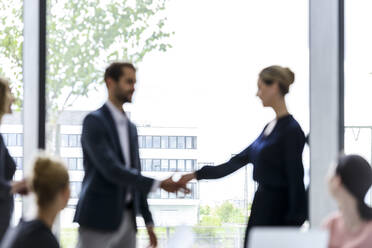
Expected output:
(11, 40)
(88, 34)
(83, 37)
(212, 219)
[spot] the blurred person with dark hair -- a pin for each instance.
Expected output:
(351, 226)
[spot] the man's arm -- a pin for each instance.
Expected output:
(145, 211)
(95, 143)
(5, 188)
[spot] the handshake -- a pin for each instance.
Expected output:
(181, 185)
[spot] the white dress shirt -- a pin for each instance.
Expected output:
(121, 122)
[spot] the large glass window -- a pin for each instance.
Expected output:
(194, 143)
(189, 143)
(164, 194)
(80, 165)
(181, 142)
(160, 39)
(156, 165)
(172, 165)
(164, 142)
(164, 165)
(64, 140)
(148, 140)
(189, 165)
(156, 142)
(181, 165)
(148, 165)
(19, 162)
(141, 141)
(75, 188)
(156, 194)
(173, 142)
(72, 163)
(13, 139)
(358, 79)
(73, 140)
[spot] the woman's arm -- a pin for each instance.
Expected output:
(215, 172)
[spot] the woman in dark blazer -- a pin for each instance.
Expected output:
(276, 155)
(7, 165)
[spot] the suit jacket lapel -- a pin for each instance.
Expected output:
(133, 144)
(113, 130)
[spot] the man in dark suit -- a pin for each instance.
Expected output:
(113, 189)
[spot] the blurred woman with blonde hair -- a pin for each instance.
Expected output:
(50, 184)
(7, 165)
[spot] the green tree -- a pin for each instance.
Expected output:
(228, 213)
(11, 39)
(212, 219)
(209, 226)
(83, 37)
(205, 210)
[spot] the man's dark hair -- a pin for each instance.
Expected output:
(115, 70)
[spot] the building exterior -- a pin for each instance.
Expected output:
(166, 151)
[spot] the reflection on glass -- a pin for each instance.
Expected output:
(141, 141)
(172, 165)
(172, 195)
(64, 140)
(194, 144)
(189, 143)
(172, 142)
(80, 165)
(164, 164)
(164, 142)
(75, 188)
(156, 142)
(181, 142)
(148, 163)
(181, 165)
(72, 163)
(148, 140)
(19, 162)
(164, 194)
(73, 140)
(189, 165)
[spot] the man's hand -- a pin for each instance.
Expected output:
(172, 186)
(19, 187)
(186, 178)
(152, 237)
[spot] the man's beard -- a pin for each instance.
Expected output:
(127, 97)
